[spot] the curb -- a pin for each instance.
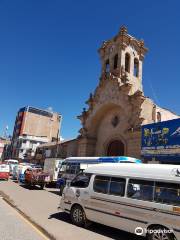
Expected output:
(10, 202)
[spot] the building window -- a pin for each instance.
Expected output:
(158, 117)
(107, 66)
(154, 113)
(115, 61)
(136, 67)
(127, 62)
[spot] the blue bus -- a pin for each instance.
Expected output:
(71, 166)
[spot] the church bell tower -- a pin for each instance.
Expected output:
(122, 57)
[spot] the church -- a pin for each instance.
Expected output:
(111, 124)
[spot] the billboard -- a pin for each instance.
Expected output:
(161, 141)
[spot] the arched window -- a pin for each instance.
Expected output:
(136, 67)
(107, 66)
(115, 61)
(158, 117)
(127, 62)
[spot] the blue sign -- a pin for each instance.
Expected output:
(161, 140)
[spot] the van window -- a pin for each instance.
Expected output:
(167, 193)
(117, 186)
(81, 180)
(140, 189)
(101, 184)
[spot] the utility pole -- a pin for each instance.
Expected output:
(57, 143)
(58, 136)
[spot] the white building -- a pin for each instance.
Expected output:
(26, 145)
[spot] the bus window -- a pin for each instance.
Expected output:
(167, 193)
(140, 189)
(117, 186)
(63, 168)
(73, 168)
(68, 168)
(101, 184)
(77, 168)
(60, 164)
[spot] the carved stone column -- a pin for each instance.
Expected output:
(86, 146)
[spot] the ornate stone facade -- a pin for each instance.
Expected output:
(111, 125)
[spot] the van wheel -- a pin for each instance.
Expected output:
(78, 216)
(157, 235)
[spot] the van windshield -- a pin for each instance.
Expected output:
(81, 180)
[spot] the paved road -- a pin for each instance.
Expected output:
(41, 206)
(14, 227)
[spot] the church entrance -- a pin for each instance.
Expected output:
(115, 148)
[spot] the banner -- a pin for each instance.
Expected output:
(161, 140)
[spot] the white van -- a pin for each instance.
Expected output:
(52, 167)
(73, 165)
(138, 198)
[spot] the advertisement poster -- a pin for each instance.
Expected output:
(161, 141)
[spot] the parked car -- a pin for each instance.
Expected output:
(4, 172)
(35, 176)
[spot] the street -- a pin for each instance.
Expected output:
(41, 207)
(89, 111)
(14, 226)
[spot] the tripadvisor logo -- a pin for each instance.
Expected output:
(139, 231)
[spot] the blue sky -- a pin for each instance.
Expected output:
(48, 53)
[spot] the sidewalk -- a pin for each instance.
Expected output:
(41, 207)
(14, 227)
